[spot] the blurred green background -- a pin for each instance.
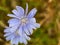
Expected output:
(48, 15)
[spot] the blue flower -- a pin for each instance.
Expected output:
(21, 25)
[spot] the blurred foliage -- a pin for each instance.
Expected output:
(48, 16)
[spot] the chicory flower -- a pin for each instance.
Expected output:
(21, 25)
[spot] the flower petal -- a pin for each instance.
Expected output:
(11, 29)
(26, 8)
(9, 37)
(16, 13)
(14, 16)
(20, 31)
(30, 29)
(32, 13)
(36, 25)
(24, 40)
(20, 10)
(20, 40)
(14, 41)
(7, 34)
(7, 30)
(32, 20)
(32, 26)
(27, 37)
(26, 30)
(11, 15)
(13, 22)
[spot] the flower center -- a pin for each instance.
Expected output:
(23, 20)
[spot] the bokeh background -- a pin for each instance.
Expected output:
(48, 15)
